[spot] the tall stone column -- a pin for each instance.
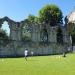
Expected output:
(15, 33)
(53, 36)
(35, 33)
(18, 31)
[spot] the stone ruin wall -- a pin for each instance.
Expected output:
(17, 47)
(36, 48)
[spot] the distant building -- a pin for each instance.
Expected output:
(71, 22)
(71, 16)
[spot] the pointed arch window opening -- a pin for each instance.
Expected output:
(26, 33)
(59, 36)
(5, 27)
(44, 35)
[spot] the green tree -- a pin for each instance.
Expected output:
(71, 31)
(70, 28)
(51, 14)
(32, 18)
(27, 27)
(3, 34)
(3, 37)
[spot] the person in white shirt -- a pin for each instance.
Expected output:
(26, 54)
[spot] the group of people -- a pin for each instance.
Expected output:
(32, 53)
(26, 53)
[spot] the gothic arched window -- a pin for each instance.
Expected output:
(44, 35)
(59, 36)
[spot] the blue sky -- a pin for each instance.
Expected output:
(19, 9)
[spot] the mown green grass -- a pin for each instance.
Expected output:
(41, 65)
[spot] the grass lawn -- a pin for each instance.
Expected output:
(41, 65)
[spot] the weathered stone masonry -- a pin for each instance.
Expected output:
(16, 46)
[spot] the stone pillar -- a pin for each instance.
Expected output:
(15, 33)
(49, 32)
(35, 34)
(18, 31)
(52, 35)
(12, 31)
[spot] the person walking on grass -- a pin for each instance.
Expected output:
(26, 54)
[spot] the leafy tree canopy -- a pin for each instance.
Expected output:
(3, 34)
(32, 18)
(51, 14)
(71, 29)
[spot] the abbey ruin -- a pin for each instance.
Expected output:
(40, 40)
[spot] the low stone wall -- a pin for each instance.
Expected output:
(38, 49)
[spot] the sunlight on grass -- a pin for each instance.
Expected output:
(41, 65)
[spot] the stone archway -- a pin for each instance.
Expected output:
(15, 33)
(5, 27)
(44, 35)
(59, 36)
